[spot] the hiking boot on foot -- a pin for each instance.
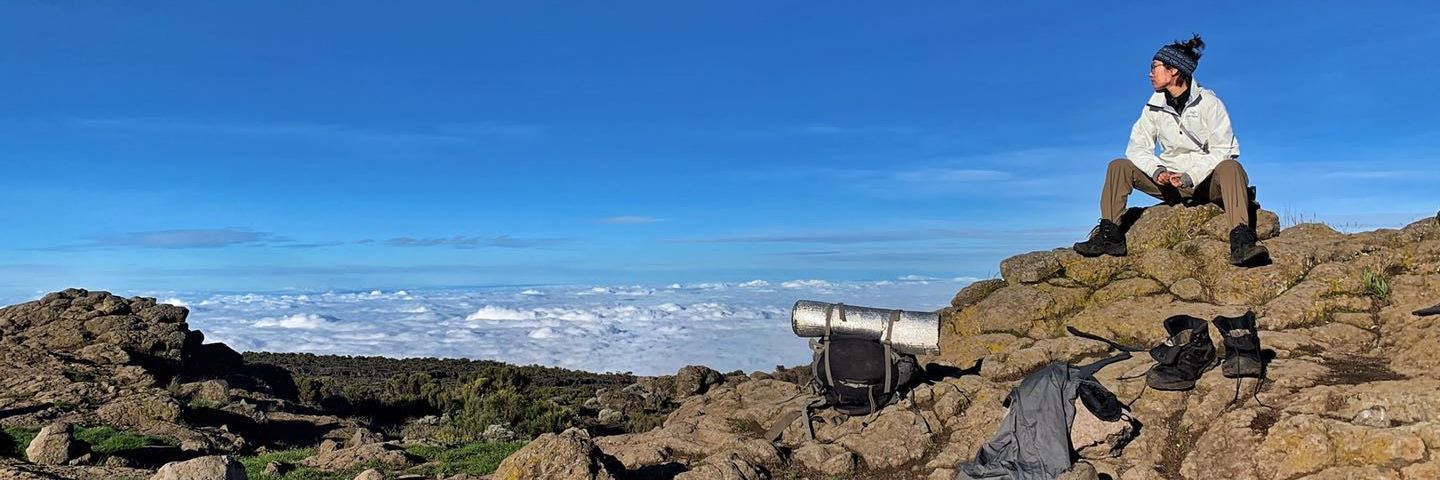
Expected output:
(1105, 239)
(1184, 356)
(1242, 346)
(1244, 251)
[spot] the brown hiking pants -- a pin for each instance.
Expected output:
(1228, 185)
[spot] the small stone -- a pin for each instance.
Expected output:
(363, 436)
(1372, 417)
(276, 469)
(213, 467)
(498, 433)
(1188, 289)
(52, 446)
(371, 474)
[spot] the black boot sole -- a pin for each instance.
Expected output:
(1254, 256)
(1425, 312)
(1174, 385)
(1114, 251)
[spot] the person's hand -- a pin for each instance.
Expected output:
(1169, 178)
(1163, 178)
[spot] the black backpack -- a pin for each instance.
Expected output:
(859, 376)
(854, 375)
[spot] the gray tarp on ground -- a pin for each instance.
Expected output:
(1033, 442)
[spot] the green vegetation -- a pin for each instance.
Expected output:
(103, 440)
(1376, 284)
(643, 422)
(107, 441)
(474, 458)
(255, 466)
(469, 395)
(15, 439)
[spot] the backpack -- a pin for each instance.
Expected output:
(854, 375)
(859, 376)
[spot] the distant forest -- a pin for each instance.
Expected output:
(466, 396)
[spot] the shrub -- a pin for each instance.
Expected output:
(1376, 285)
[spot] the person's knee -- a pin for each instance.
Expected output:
(1229, 166)
(1119, 164)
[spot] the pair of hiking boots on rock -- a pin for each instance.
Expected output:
(1188, 352)
(1107, 239)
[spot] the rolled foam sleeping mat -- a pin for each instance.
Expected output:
(915, 333)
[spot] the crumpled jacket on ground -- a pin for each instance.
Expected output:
(1033, 441)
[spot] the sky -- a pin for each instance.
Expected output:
(273, 146)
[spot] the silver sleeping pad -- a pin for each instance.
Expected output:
(915, 333)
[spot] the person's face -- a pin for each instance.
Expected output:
(1161, 76)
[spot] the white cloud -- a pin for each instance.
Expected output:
(916, 278)
(176, 302)
(807, 284)
(302, 321)
(755, 284)
(490, 312)
(572, 326)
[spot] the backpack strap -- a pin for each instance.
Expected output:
(885, 340)
(785, 420)
(825, 352)
(1113, 344)
(1090, 369)
(805, 412)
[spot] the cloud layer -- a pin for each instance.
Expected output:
(642, 329)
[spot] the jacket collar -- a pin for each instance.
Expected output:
(1157, 99)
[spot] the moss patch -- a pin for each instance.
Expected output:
(15, 439)
(109, 441)
(473, 459)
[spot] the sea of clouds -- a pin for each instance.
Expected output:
(647, 330)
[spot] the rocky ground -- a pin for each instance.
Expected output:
(1352, 390)
(93, 385)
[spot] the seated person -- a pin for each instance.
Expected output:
(1197, 160)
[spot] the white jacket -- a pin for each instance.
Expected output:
(1191, 143)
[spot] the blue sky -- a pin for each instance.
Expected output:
(318, 145)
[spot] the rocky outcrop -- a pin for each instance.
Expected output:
(52, 446)
(215, 467)
(336, 459)
(91, 358)
(1348, 393)
(569, 455)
